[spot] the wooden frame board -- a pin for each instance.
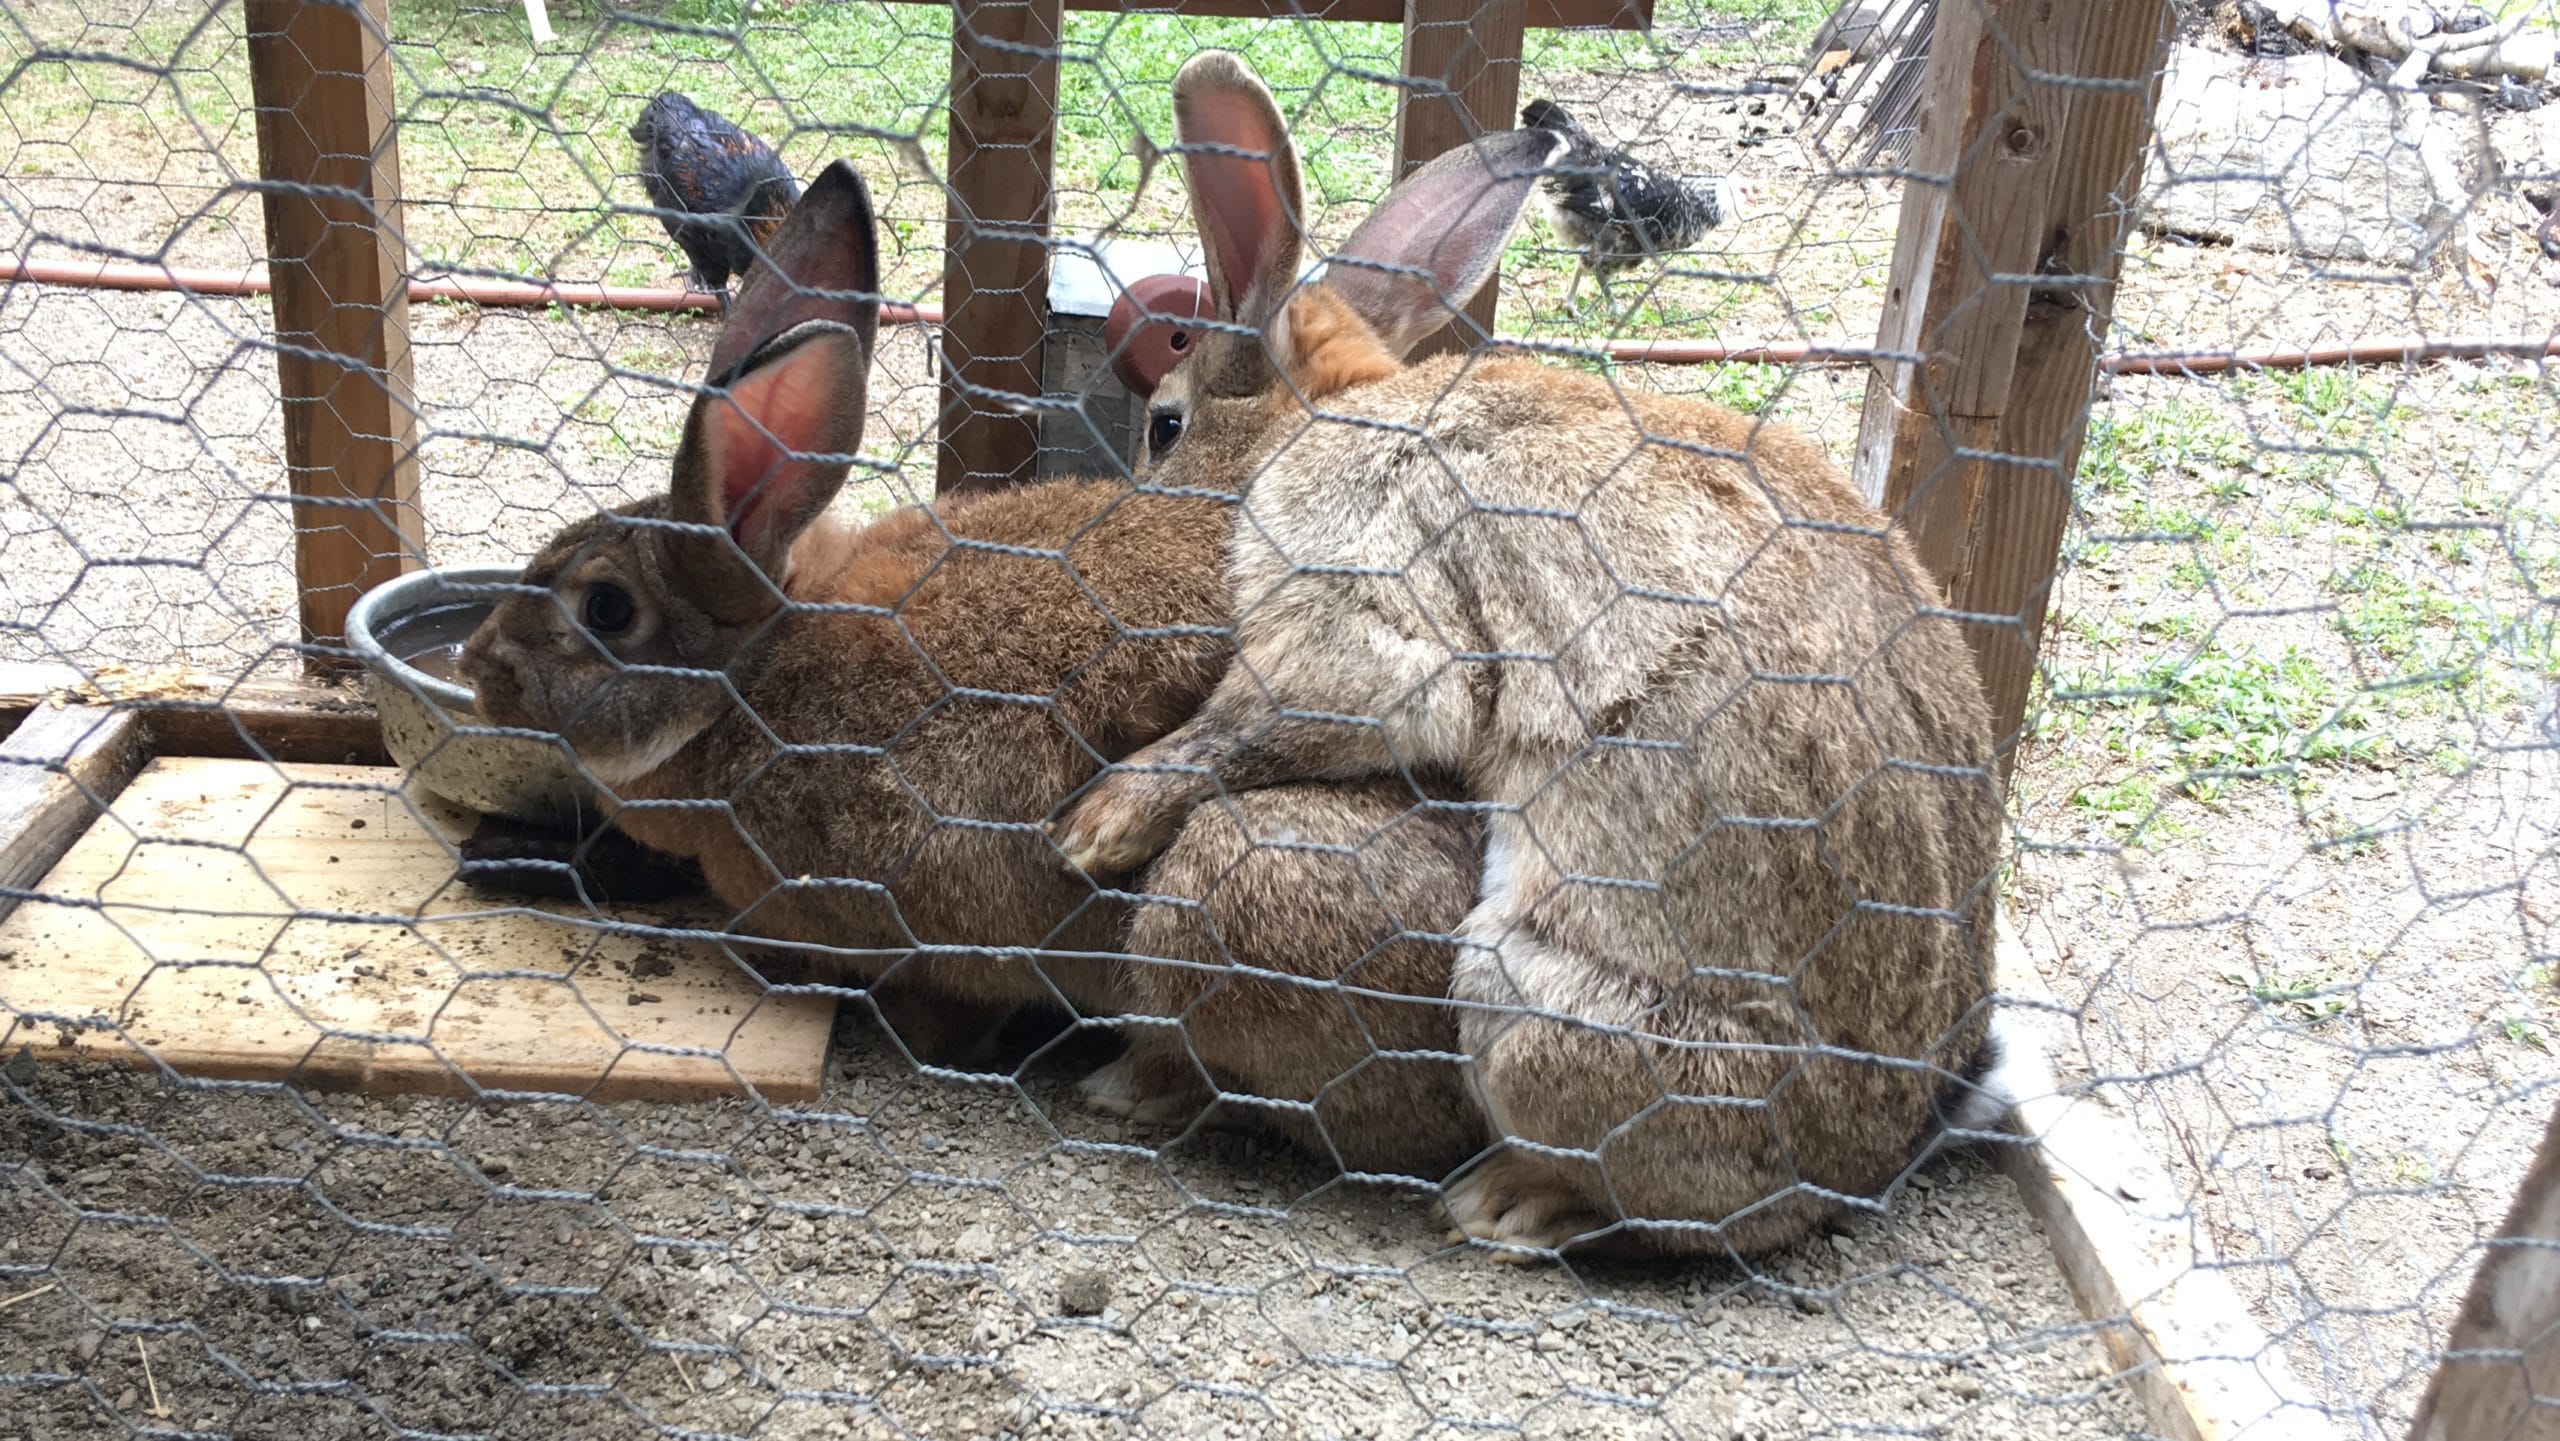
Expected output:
(302, 923)
(321, 720)
(2132, 1250)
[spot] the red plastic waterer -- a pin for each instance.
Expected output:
(1147, 333)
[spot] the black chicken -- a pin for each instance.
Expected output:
(1617, 211)
(697, 164)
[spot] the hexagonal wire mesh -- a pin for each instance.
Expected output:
(2278, 843)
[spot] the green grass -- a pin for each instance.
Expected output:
(2319, 423)
(517, 161)
(2132, 448)
(2301, 997)
(2213, 720)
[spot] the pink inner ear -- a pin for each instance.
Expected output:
(773, 412)
(1236, 197)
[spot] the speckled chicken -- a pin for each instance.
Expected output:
(1614, 209)
(695, 163)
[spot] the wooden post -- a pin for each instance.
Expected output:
(2003, 283)
(1462, 62)
(321, 78)
(995, 279)
(2504, 1351)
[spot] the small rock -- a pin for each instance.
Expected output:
(1084, 1293)
(1966, 1388)
(86, 1347)
(127, 1399)
(496, 1168)
(975, 1243)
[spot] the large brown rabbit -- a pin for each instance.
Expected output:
(1733, 936)
(857, 730)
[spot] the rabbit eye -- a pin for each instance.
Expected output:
(1164, 427)
(608, 610)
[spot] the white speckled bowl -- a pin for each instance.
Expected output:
(519, 776)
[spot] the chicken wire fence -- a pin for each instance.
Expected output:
(2278, 841)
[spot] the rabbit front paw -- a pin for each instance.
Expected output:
(1123, 821)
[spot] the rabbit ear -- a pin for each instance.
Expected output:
(1435, 240)
(822, 262)
(761, 460)
(1245, 190)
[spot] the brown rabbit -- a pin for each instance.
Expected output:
(1733, 935)
(857, 730)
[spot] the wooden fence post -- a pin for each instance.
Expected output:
(995, 279)
(320, 76)
(2003, 285)
(1462, 60)
(2504, 1351)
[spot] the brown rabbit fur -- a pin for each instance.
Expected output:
(1734, 927)
(781, 625)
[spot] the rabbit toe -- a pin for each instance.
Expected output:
(1118, 827)
(1135, 1088)
(1517, 1205)
(1109, 1090)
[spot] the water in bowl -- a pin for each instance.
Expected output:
(429, 641)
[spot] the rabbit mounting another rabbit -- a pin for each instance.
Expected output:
(856, 730)
(1731, 947)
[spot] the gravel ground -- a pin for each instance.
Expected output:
(914, 1256)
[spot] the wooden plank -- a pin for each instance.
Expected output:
(1462, 65)
(2101, 157)
(298, 725)
(56, 768)
(2003, 277)
(320, 74)
(304, 924)
(191, 714)
(2132, 1250)
(1541, 14)
(995, 276)
(2504, 1350)
(25, 685)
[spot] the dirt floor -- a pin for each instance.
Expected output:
(914, 1256)
(2287, 816)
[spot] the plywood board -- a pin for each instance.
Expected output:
(304, 923)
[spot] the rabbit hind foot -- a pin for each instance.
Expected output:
(1145, 1087)
(1522, 1204)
